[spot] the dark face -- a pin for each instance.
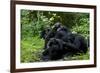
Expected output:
(54, 49)
(54, 52)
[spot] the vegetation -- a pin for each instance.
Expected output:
(33, 22)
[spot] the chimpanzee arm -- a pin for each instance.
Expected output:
(72, 46)
(50, 35)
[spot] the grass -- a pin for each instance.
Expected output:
(78, 57)
(31, 51)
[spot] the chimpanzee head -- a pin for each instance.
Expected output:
(55, 49)
(64, 28)
(56, 25)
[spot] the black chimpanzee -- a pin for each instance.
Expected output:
(48, 33)
(54, 50)
(73, 41)
(57, 48)
(61, 41)
(52, 33)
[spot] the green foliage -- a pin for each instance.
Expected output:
(31, 49)
(83, 28)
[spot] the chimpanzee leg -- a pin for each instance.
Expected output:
(72, 46)
(77, 42)
(80, 43)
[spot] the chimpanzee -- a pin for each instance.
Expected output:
(76, 41)
(57, 48)
(46, 34)
(76, 44)
(54, 50)
(63, 42)
(52, 33)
